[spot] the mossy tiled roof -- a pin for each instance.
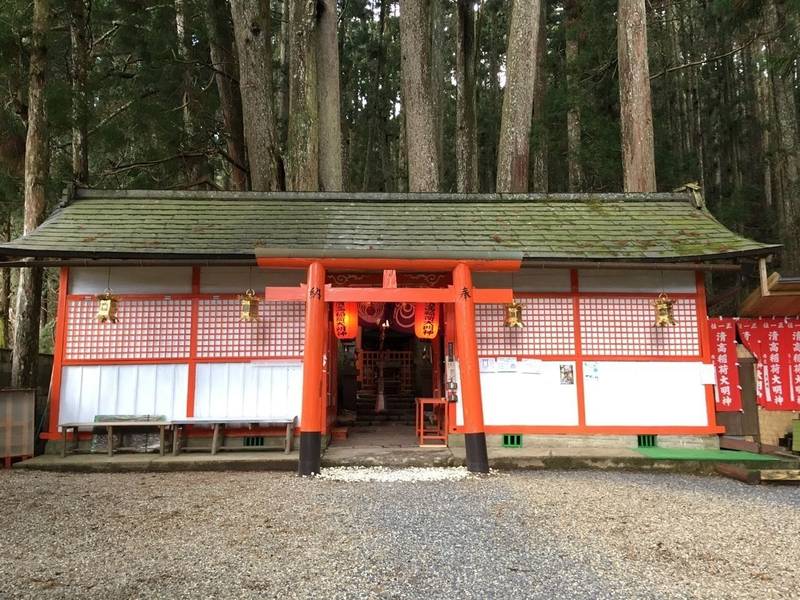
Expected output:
(219, 225)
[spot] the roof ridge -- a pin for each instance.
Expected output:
(387, 197)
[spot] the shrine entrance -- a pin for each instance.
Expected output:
(380, 374)
(318, 294)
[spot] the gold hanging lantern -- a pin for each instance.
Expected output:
(514, 316)
(249, 306)
(107, 307)
(664, 313)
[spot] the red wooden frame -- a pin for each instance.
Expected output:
(191, 359)
(448, 335)
(412, 295)
(579, 357)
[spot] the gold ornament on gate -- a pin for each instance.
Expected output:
(107, 307)
(664, 314)
(249, 305)
(514, 316)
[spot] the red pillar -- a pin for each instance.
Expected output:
(311, 417)
(58, 352)
(467, 349)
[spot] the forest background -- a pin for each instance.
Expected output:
(395, 96)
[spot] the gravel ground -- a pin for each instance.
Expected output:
(527, 535)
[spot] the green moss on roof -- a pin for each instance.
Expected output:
(131, 224)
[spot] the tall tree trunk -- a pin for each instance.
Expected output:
(79, 63)
(376, 115)
(251, 26)
(487, 161)
(418, 95)
(303, 134)
(515, 127)
(283, 91)
(786, 130)
(5, 288)
(575, 168)
(193, 165)
(466, 119)
(29, 290)
(330, 111)
(764, 117)
(437, 51)
(226, 74)
(638, 155)
(539, 152)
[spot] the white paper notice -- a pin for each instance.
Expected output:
(531, 366)
(707, 375)
(488, 365)
(506, 364)
(591, 371)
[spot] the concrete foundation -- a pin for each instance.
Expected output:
(594, 441)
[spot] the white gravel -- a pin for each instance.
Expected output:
(272, 535)
(387, 475)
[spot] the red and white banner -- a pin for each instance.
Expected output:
(723, 356)
(776, 345)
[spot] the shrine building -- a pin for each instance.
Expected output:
(517, 316)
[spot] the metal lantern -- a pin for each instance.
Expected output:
(249, 306)
(514, 316)
(107, 307)
(664, 313)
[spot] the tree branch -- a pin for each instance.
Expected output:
(144, 164)
(705, 61)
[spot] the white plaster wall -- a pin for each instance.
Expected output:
(87, 391)
(526, 280)
(131, 280)
(631, 280)
(645, 393)
(269, 389)
(235, 280)
(527, 398)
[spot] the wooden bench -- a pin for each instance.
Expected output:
(218, 431)
(110, 426)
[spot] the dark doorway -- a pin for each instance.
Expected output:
(380, 377)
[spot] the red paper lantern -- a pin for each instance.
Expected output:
(426, 320)
(345, 320)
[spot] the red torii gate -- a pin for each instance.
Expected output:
(315, 293)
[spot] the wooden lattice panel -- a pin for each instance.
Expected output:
(152, 329)
(626, 327)
(371, 367)
(279, 331)
(548, 331)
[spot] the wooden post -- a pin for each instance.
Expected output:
(467, 349)
(311, 418)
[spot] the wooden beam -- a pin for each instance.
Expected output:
(389, 278)
(740, 473)
(411, 295)
(493, 296)
(780, 474)
(398, 264)
(285, 294)
(762, 275)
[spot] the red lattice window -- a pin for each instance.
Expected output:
(548, 330)
(278, 332)
(145, 330)
(625, 327)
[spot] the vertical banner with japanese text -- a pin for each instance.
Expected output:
(723, 357)
(775, 343)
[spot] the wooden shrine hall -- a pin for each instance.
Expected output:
(554, 316)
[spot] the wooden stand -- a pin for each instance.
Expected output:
(432, 432)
